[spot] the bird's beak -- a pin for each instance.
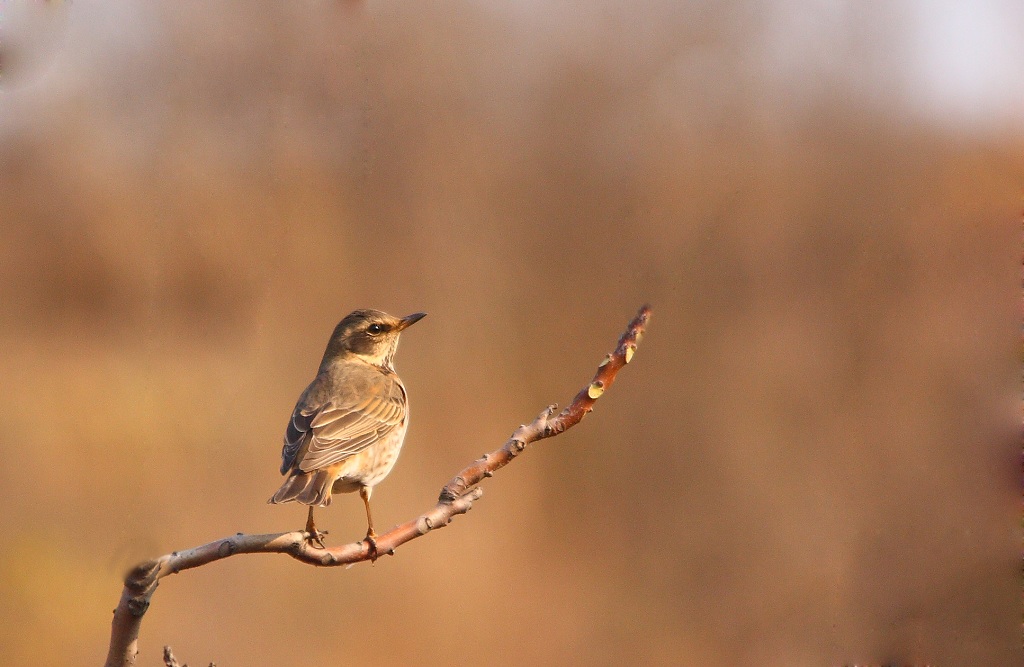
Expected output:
(410, 320)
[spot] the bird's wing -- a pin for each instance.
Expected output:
(345, 425)
(297, 433)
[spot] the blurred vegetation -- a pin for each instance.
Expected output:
(812, 460)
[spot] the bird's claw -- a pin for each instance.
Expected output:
(371, 541)
(316, 537)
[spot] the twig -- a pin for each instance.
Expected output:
(457, 497)
(171, 661)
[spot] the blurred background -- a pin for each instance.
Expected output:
(813, 459)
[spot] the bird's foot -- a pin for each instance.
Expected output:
(371, 540)
(316, 537)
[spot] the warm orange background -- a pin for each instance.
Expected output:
(813, 459)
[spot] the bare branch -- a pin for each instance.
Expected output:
(457, 497)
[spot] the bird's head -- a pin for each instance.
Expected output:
(370, 335)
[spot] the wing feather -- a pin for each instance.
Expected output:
(319, 436)
(295, 436)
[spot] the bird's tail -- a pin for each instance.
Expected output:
(308, 488)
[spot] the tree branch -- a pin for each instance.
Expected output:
(457, 497)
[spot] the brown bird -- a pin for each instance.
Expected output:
(347, 429)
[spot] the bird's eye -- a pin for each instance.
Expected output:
(375, 328)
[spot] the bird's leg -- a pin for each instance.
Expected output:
(314, 535)
(371, 536)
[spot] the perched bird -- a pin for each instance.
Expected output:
(347, 429)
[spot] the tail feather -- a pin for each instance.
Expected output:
(308, 488)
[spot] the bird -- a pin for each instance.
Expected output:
(348, 426)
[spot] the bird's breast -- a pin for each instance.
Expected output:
(370, 466)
